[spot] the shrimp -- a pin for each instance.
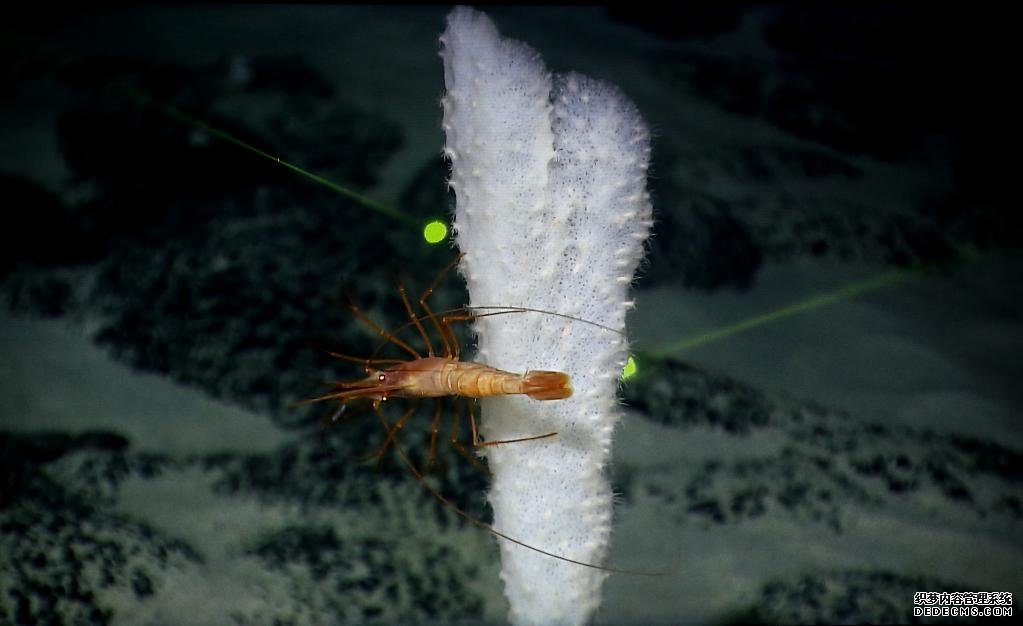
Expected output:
(436, 377)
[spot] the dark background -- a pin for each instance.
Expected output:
(169, 294)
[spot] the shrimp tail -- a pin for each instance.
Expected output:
(544, 385)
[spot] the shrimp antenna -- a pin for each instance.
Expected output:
(502, 310)
(468, 313)
(485, 526)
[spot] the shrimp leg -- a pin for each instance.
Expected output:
(451, 348)
(457, 445)
(357, 312)
(415, 320)
(434, 430)
(477, 443)
(392, 431)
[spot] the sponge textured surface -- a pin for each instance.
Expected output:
(552, 212)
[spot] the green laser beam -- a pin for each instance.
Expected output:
(179, 115)
(846, 292)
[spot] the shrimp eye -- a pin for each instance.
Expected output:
(382, 378)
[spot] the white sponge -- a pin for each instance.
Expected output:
(552, 212)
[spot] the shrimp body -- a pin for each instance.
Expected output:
(434, 377)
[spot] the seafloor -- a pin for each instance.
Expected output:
(168, 296)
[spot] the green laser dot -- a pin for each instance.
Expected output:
(435, 232)
(630, 369)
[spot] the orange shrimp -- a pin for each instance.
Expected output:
(433, 376)
(436, 377)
